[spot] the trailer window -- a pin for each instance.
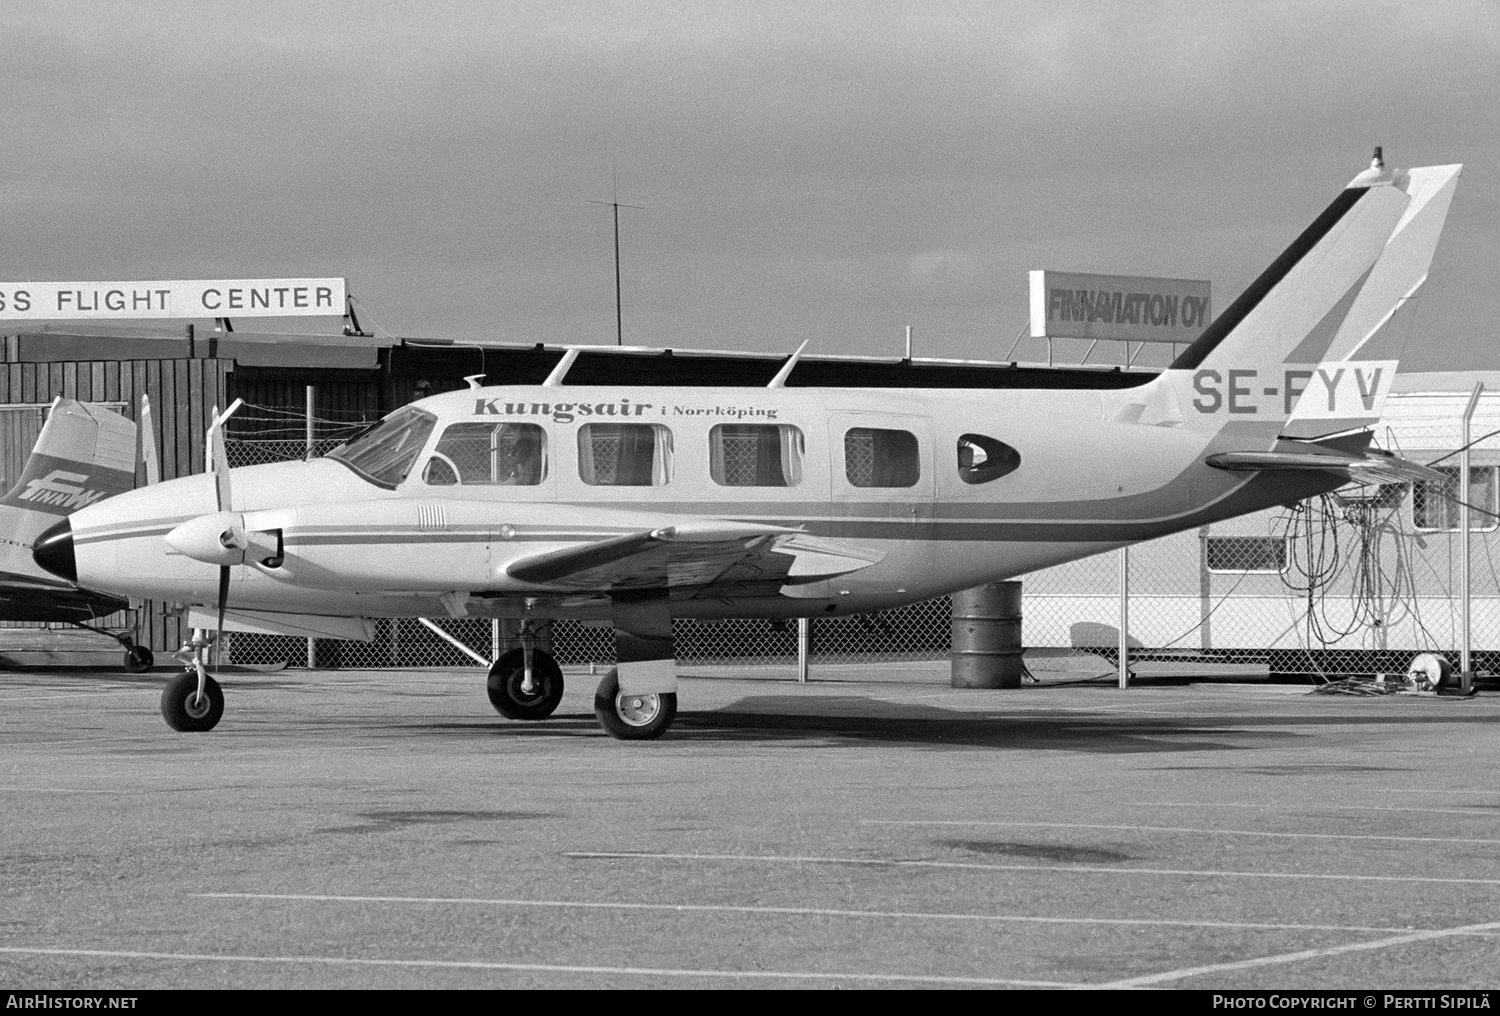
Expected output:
(385, 453)
(881, 458)
(625, 454)
(1435, 506)
(982, 459)
(505, 454)
(755, 455)
(1265, 554)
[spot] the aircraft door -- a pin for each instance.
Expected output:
(882, 471)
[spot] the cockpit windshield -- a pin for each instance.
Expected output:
(385, 453)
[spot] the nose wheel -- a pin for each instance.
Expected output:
(193, 701)
(633, 717)
(188, 710)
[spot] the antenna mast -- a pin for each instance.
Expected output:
(615, 204)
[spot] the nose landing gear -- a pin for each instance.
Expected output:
(193, 701)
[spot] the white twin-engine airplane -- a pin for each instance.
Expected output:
(638, 505)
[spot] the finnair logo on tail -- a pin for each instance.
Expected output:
(63, 489)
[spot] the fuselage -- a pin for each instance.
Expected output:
(945, 489)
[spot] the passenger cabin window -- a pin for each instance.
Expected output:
(503, 454)
(1435, 505)
(386, 452)
(625, 454)
(755, 455)
(982, 459)
(881, 458)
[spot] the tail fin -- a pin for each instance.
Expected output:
(1283, 350)
(84, 454)
(1293, 311)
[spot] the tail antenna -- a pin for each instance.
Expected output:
(1379, 161)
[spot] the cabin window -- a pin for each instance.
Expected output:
(982, 459)
(1435, 505)
(506, 454)
(625, 454)
(881, 458)
(1267, 554)
(386, 452)
(755, 455)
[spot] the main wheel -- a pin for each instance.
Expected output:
(185, 710)
(633, 717)
(139, 659)
(507, 676)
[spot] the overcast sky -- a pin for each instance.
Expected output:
(832, 171)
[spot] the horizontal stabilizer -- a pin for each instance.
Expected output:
(1374, 466)
(268, 622)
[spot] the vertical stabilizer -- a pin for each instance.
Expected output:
(1284, 352)
(84, 454)
(1303, 298)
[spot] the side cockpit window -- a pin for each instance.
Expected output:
(497, 454)
(386, 452)
(625, 454)
(755, 455)
(875, 457)
(982, 459)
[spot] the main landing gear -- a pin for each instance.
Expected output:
(522, 692)
(527, 684)
(633, 717)
(193, 701)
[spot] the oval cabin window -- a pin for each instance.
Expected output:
(982, 459)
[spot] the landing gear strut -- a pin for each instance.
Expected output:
(193, 701)
(525, 683)
(138, 658)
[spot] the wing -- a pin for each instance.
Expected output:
(701, 557)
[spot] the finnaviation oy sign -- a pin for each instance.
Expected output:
(195, 298)
(1074, 305)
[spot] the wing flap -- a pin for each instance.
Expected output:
(696, 555)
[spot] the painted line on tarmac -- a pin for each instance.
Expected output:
(1059, 869)
(791, 911)
(1175, 829)
(541, 968)
(1306, 954)
(144, 690)
(1471, 810)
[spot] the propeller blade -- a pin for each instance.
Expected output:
(223, 603)
(216, 459)
(147, 431)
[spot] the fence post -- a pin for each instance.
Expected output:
(312, 645)
(1464, 493)
(804, 639)
(1124, 617)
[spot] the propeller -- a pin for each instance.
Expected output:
(147, 431)
(218, 461)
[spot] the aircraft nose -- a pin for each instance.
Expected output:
(54, 551)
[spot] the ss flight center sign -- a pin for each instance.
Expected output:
(195, 298)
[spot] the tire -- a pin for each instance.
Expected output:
(184, 714)
(633, 717)
(506, 677)
(139, 659)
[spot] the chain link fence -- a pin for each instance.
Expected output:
(1357, 581)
